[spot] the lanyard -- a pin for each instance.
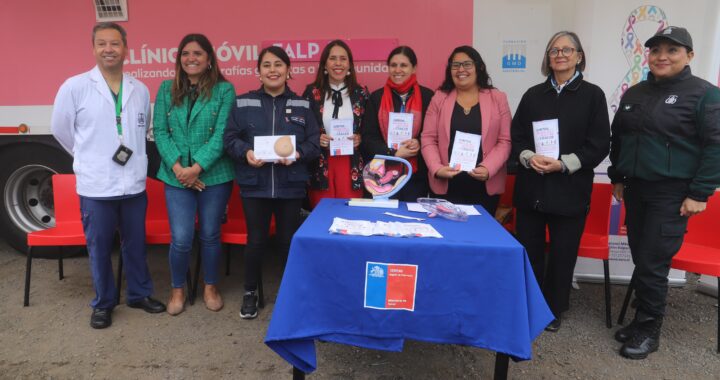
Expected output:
(118, 112)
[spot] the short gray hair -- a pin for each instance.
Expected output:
(110, 25)
(545, 67)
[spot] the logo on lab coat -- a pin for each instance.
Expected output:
(141, 120)
(671, 99)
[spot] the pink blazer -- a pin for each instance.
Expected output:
(435, 138)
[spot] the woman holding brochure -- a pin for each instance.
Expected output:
(337, 173)
(271, 135)
(394, 120)
(190, 116)
(560, 133)
(466, 140)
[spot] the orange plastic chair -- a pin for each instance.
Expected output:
(68, 230)
(700, 253)
(506, 200)
(595, 240)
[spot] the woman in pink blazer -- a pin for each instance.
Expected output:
(467, 102)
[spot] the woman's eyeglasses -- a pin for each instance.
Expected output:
(566, 51)
(467, 65)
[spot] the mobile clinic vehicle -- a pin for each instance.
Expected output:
(48, 42)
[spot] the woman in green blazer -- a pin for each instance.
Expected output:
(190, 116)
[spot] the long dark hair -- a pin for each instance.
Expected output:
(322, 81)
(181, 85)
(483, 79)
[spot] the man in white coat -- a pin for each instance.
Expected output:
(101, 117)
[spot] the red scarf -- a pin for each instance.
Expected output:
(412, 105)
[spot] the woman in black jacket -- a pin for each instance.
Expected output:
(270, 188)
(402, 93)
(554, 192)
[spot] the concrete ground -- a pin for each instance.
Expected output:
(52, 338)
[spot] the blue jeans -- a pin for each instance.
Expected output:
(209, 206)
(101, 220)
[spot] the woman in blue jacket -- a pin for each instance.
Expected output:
(270, 188)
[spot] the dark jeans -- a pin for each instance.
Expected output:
(101, 219)
(258, 212)
(655, 233)
(555, 276)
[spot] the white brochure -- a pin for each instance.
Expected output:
(547, 140)
(341, 131)
(466, 148)
(273, 148)
(399, 128)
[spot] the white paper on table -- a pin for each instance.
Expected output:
(547, 139)
(341, 131)
(466, 148)
(469, 209)
(264, 148)
(399, 128)
(352, 227)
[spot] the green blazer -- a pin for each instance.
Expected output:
(199, 140)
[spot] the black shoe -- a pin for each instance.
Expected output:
(101, 318)
(149, 305)
(249, 309)
(644, 342)
(626, 333)
(554, 326)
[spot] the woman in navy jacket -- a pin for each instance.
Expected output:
(276, 188)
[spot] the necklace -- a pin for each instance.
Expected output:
(467, 110)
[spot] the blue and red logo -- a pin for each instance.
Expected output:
(390, 286)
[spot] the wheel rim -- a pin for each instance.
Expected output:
(29, 198)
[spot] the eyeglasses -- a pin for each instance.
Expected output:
(566, 51)
(467, 65)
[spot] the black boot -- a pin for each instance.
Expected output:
(645, 341)
(626, 333)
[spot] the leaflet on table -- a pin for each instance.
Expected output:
(547, 140)
(469, 209)
(466, 148)
(393, 229)
(399, 128)
(341, 131)
(273, 148)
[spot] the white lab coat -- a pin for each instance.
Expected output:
(83, 122)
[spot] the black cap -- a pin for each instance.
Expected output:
(675, 34)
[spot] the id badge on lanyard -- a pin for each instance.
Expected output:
(122, 154)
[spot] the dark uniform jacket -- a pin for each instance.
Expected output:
(669, 130)
(257, 113)
(584, 130)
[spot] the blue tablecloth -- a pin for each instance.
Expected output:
(475, 287)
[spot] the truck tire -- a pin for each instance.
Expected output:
(26, 190)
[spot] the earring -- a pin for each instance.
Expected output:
(325, 72)
(348, 73)
(209, 66)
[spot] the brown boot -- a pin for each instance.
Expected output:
(212, 298)
(176, 305)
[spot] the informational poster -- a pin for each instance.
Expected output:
(341, 132)
(399, 129)
(547, 138)
(390, 286)
(466, 148)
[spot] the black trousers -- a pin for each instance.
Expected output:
(258, 213)
(655, 233)
(553, 271)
